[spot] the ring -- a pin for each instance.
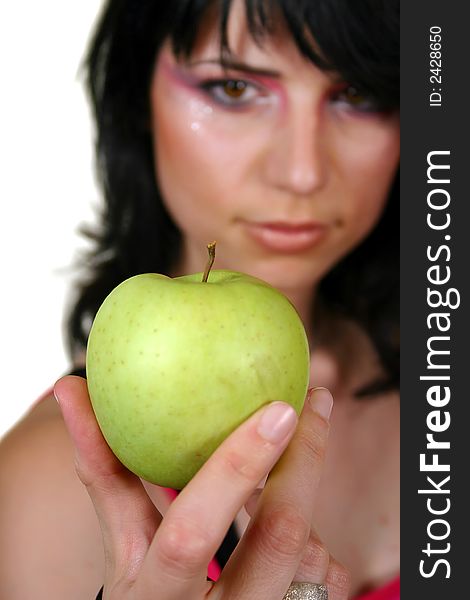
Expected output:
(306, 591)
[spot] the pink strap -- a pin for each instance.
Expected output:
(390, 591)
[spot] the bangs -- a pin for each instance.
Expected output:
(358, 40)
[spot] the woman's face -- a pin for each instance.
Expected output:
(282, 164)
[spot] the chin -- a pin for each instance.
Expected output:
(284, 272)
(286, 276)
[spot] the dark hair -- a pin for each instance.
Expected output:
(360, 40)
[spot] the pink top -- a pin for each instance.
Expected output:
(390, 591)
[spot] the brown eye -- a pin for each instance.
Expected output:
(235, 88)
(233, 93)
(356, 100)
(352, 96)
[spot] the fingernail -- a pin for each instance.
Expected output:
(321, 401)
(277, 421)
(56, 396)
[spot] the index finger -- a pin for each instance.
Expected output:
(199, 518)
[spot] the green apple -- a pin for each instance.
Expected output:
(174, 365)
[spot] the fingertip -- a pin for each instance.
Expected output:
(71, 393)
(277, 421)
(252, 502)
(60, 388)
(56, 392)
(66, 384)
(321, 401)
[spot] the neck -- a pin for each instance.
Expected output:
(304, 301)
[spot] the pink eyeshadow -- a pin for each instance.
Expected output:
(178, 76)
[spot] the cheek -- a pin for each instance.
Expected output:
(198, 166)
(368, 170)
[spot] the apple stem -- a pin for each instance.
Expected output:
(210, 262)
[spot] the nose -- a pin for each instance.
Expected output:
(297, 159)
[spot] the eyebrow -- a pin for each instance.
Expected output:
(234, 65)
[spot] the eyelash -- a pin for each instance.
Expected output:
(214, 89)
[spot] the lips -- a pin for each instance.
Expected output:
(286, 237)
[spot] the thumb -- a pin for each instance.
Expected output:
(125, 512)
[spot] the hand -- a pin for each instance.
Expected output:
(150, 557)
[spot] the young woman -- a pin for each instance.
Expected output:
(272, 127)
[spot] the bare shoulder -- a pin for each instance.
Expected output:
(50, 541)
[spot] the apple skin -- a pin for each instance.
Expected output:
(175, 365)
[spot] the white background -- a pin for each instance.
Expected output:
(46, 188)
